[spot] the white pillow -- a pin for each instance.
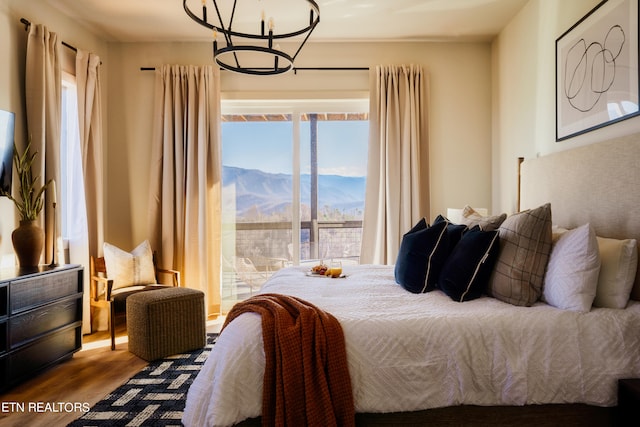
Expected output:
(617, 272)
(129, 269)
(572, 272)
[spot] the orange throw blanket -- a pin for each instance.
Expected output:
(306, 378)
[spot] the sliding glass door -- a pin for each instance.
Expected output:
(293, 188)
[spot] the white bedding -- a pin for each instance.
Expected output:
(409, 352)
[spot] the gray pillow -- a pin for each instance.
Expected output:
(471, 218)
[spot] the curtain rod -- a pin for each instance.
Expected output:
(27, 24)
(296, 69)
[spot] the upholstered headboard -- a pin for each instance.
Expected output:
(597, 184)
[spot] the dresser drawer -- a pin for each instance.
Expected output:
(4, 300)
(29, 325)
(50, 349)
(28, 293)
(40, 319)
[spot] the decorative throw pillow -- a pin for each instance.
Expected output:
(471, 218)
(619, 261)
(129, 269)
(466, 272)
(572, 272)
(454, 232)
(525, 245)
(556, 233)
(422, 252)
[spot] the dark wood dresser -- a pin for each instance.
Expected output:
(40, 319)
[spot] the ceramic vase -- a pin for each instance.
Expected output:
(28, 241)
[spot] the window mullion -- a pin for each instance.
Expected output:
(295, 211)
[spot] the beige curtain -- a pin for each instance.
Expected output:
(43, 86)
(186, 167)
(398, 144)
(90, 135)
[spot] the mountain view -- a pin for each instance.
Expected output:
(270, 193)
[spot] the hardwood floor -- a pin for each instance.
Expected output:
(51, 398)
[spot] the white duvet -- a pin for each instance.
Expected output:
(409, 352)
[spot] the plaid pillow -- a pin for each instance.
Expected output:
(525, 245)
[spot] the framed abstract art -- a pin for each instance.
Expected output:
(597, 69)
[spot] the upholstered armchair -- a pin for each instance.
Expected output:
(120, 274)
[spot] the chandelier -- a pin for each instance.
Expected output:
(251, 46)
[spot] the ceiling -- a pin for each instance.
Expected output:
(340, 20)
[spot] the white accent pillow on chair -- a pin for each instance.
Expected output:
(130, 269)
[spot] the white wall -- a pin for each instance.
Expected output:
(459, 75)
(13, 42)
(489, 104)
(524, 93)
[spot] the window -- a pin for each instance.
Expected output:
(293, 187)
(71, 202)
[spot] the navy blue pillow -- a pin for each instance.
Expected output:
(466, 272)
(455, 232)
(422, 253)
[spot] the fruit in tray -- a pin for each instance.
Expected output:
(319, 269)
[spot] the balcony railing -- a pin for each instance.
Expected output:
(262, 248)
(287, 225)
(268, 245)
(319, 239)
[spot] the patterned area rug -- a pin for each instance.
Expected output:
(154, 397)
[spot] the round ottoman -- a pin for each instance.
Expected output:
(165, 322)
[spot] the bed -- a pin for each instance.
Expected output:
(424, 358)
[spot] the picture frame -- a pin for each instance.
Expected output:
(597, 69)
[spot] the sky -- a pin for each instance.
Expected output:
(268, 146)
